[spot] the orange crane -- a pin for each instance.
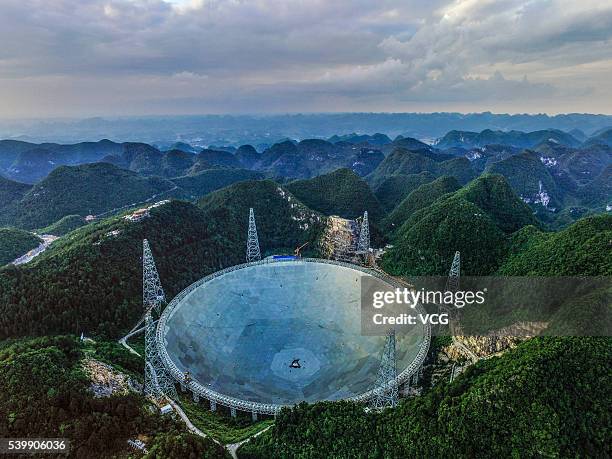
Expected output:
(296, 252)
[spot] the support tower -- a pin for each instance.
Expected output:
(363, 246)
(386, 393)
(158, 382)
(152, 292)
(252, 253)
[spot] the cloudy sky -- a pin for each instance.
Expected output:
(126, 57)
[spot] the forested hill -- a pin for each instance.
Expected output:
(518, 139)
(84, 190)
(530, 402)
(583, 248)
(282, 220)
(341, 193)
(10, 194)
(421, 197)
(475, 220)
(402, 162)
(46, 390)
(15, 243)
(91, 279)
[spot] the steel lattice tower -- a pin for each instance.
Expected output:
(452, 283)
(158, 383)
(252, 252)
(152, 292)
(386, 392)
(363, 246)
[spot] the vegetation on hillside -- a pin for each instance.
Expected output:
(407, 162)
(282, 220)
(221, 426)
(15, 243)
(10, 194)
(582, 249)
(494, 195)
(426, 242)
(391, 191)
(341, 193)
(91, 279)
(421, 197)
(83, 190)
(530, 402)
(514, 138)
(528, 177)
(46, 392)
(179, 445)
(209, 180)
(64, 225)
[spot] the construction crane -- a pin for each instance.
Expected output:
(296, 252)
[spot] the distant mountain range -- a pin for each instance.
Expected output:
(560, 177)
(264, 130)
(517, 139)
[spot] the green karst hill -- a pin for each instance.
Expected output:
(282, 220)
(90, 280)
(408, 162)
(64, 225)
(474, 220)
(208, 180)
(426, 242)
(421, 197)
(83, 190)
(493, 194)
(392, 190)
(341, 193)
(10, 194)
(583, 248)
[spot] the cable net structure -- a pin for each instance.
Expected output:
(386, 392)
(252, 252)
(158, 382)
(363, 246)
(153, 295)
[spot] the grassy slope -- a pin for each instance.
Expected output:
(222, 427)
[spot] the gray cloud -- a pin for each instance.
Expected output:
(70, 57)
